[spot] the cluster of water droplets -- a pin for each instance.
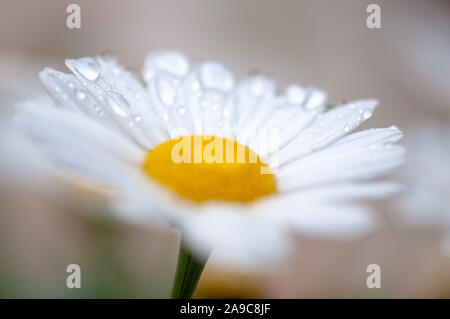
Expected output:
(164, 73)
(104, 88)
(70, 93)
(101, 88)
(328, 127)
(202, 101)
(188, 100)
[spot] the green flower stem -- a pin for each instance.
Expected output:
(187, 275)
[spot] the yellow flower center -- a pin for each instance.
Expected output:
(202, 168)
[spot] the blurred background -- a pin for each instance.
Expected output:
(405, 65)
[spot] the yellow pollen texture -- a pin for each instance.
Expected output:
(203, 168)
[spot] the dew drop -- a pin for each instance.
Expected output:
(118, 104)
(137, 118)
(211, 99)
(346, 128)
(166, 117)
(89, 68)
(367, 114)
(80, 94)
(195, 86)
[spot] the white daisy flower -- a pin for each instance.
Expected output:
(109, 127)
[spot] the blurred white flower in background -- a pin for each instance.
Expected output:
(106, 124)
(427, 178)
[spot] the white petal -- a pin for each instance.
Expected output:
(216, 76)
(334, 223)
(199, 103)
(164, 73)
(69, 93)
(349, 192)
(362, 156)
(78, 143)
(217, 81)
(289, 123)
(321, 220)
(286, 117)
(236, 239)
(253, 100)
(315, 99)
(327, 128)
(373, 137)
(171, 63)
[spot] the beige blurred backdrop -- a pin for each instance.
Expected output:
(405, 65)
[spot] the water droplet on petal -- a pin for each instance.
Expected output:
(89, 68)
(367, 114)
(137, 118)
(211, 100)
(118, 104)
(195, 86)
(346, 128)
(80, 94)
(166, 117)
